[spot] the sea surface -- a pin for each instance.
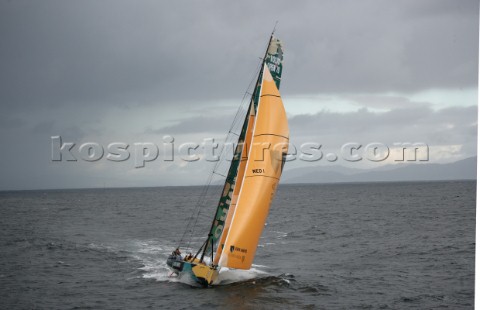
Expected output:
(336, 246)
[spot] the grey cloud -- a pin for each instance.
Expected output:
(9, 122)
(44, 127)
(214, 123)
(450, 126)
(384, 102)
(117, 52)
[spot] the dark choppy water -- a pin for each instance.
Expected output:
(352, 246)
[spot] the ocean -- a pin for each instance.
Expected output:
(325, 246)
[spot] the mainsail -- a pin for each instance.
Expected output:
(254, 171)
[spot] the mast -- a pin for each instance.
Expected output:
(217, 227)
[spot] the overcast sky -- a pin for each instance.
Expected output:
(136, 71)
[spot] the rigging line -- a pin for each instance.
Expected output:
(274, 27)
(196, 210)
(243, 102)
(198, 207)
(240, 108)
(206, 187)
(202, 195)
(204, 216)
(209, 184)
(201, 198)
(246, 94)
(219, 174)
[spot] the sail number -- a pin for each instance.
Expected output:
(257, 171)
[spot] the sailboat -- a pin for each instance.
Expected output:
(251, 181)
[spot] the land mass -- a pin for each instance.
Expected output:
(465, 169)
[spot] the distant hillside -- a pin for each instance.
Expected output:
(465, 169)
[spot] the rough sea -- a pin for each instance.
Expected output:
(335, 246)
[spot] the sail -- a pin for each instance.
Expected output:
(274, 60)
(226, 206)
(264, 166)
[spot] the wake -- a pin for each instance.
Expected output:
(153, 255)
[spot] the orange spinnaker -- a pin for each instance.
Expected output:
(262, 173)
